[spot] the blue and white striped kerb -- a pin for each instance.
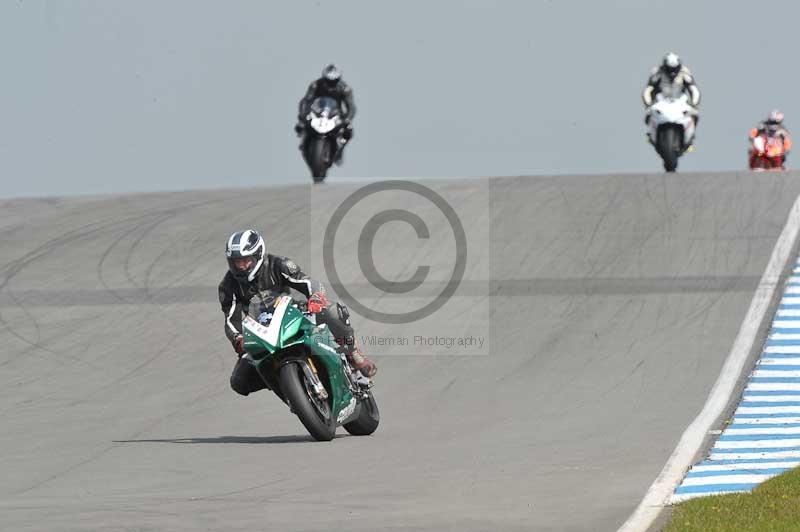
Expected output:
(763, 439)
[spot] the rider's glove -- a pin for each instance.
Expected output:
(317, 302)
(238, 344)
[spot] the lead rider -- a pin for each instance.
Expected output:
(331, 84)
(671, 76)
(252, 270)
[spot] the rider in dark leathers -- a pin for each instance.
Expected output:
(251, 270)
(332, 85)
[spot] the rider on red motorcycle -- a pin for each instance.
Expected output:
(771, 128)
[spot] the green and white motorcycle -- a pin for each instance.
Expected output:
(300, 363)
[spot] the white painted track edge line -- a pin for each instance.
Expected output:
(657, 496)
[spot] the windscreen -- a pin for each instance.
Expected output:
(262, 306)
(671, 91)
(325, 103)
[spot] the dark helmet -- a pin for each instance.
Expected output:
(671, 64)
(331, 74)
(245, 254)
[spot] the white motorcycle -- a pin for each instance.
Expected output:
(671, 128)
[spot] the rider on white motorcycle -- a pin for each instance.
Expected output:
(671, 77)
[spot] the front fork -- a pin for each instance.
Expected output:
(310, 372)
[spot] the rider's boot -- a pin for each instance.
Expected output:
(360, 362)
(340, 144)
(690, 147)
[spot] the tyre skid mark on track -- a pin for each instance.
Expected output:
(130, 373)
(508, 288)
(172, 214)
(31, 318)
(606, 212)
(148, 296)
(15, 267)
(148, 228)
(166, 347)
(37, 345)
(207, 392)
(148, 271)
(226, 494)
(162, 214)
(662, 490)
(226, 215)
(105, 256)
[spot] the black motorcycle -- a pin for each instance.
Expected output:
(322, 136)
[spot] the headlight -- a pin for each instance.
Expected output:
(322, 124)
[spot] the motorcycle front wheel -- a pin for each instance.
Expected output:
(759, 163)
(319, 158)
(314, 413)
(669, 148)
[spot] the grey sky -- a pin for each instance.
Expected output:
(104, 97)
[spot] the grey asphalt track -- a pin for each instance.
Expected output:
(613, 302)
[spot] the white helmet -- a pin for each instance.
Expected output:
(775, 117)
(331, 73)
(245, 254)
(671, 64)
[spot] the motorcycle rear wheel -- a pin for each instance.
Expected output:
(315, 418)
(367, 421)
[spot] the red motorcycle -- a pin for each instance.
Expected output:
(767, 152)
